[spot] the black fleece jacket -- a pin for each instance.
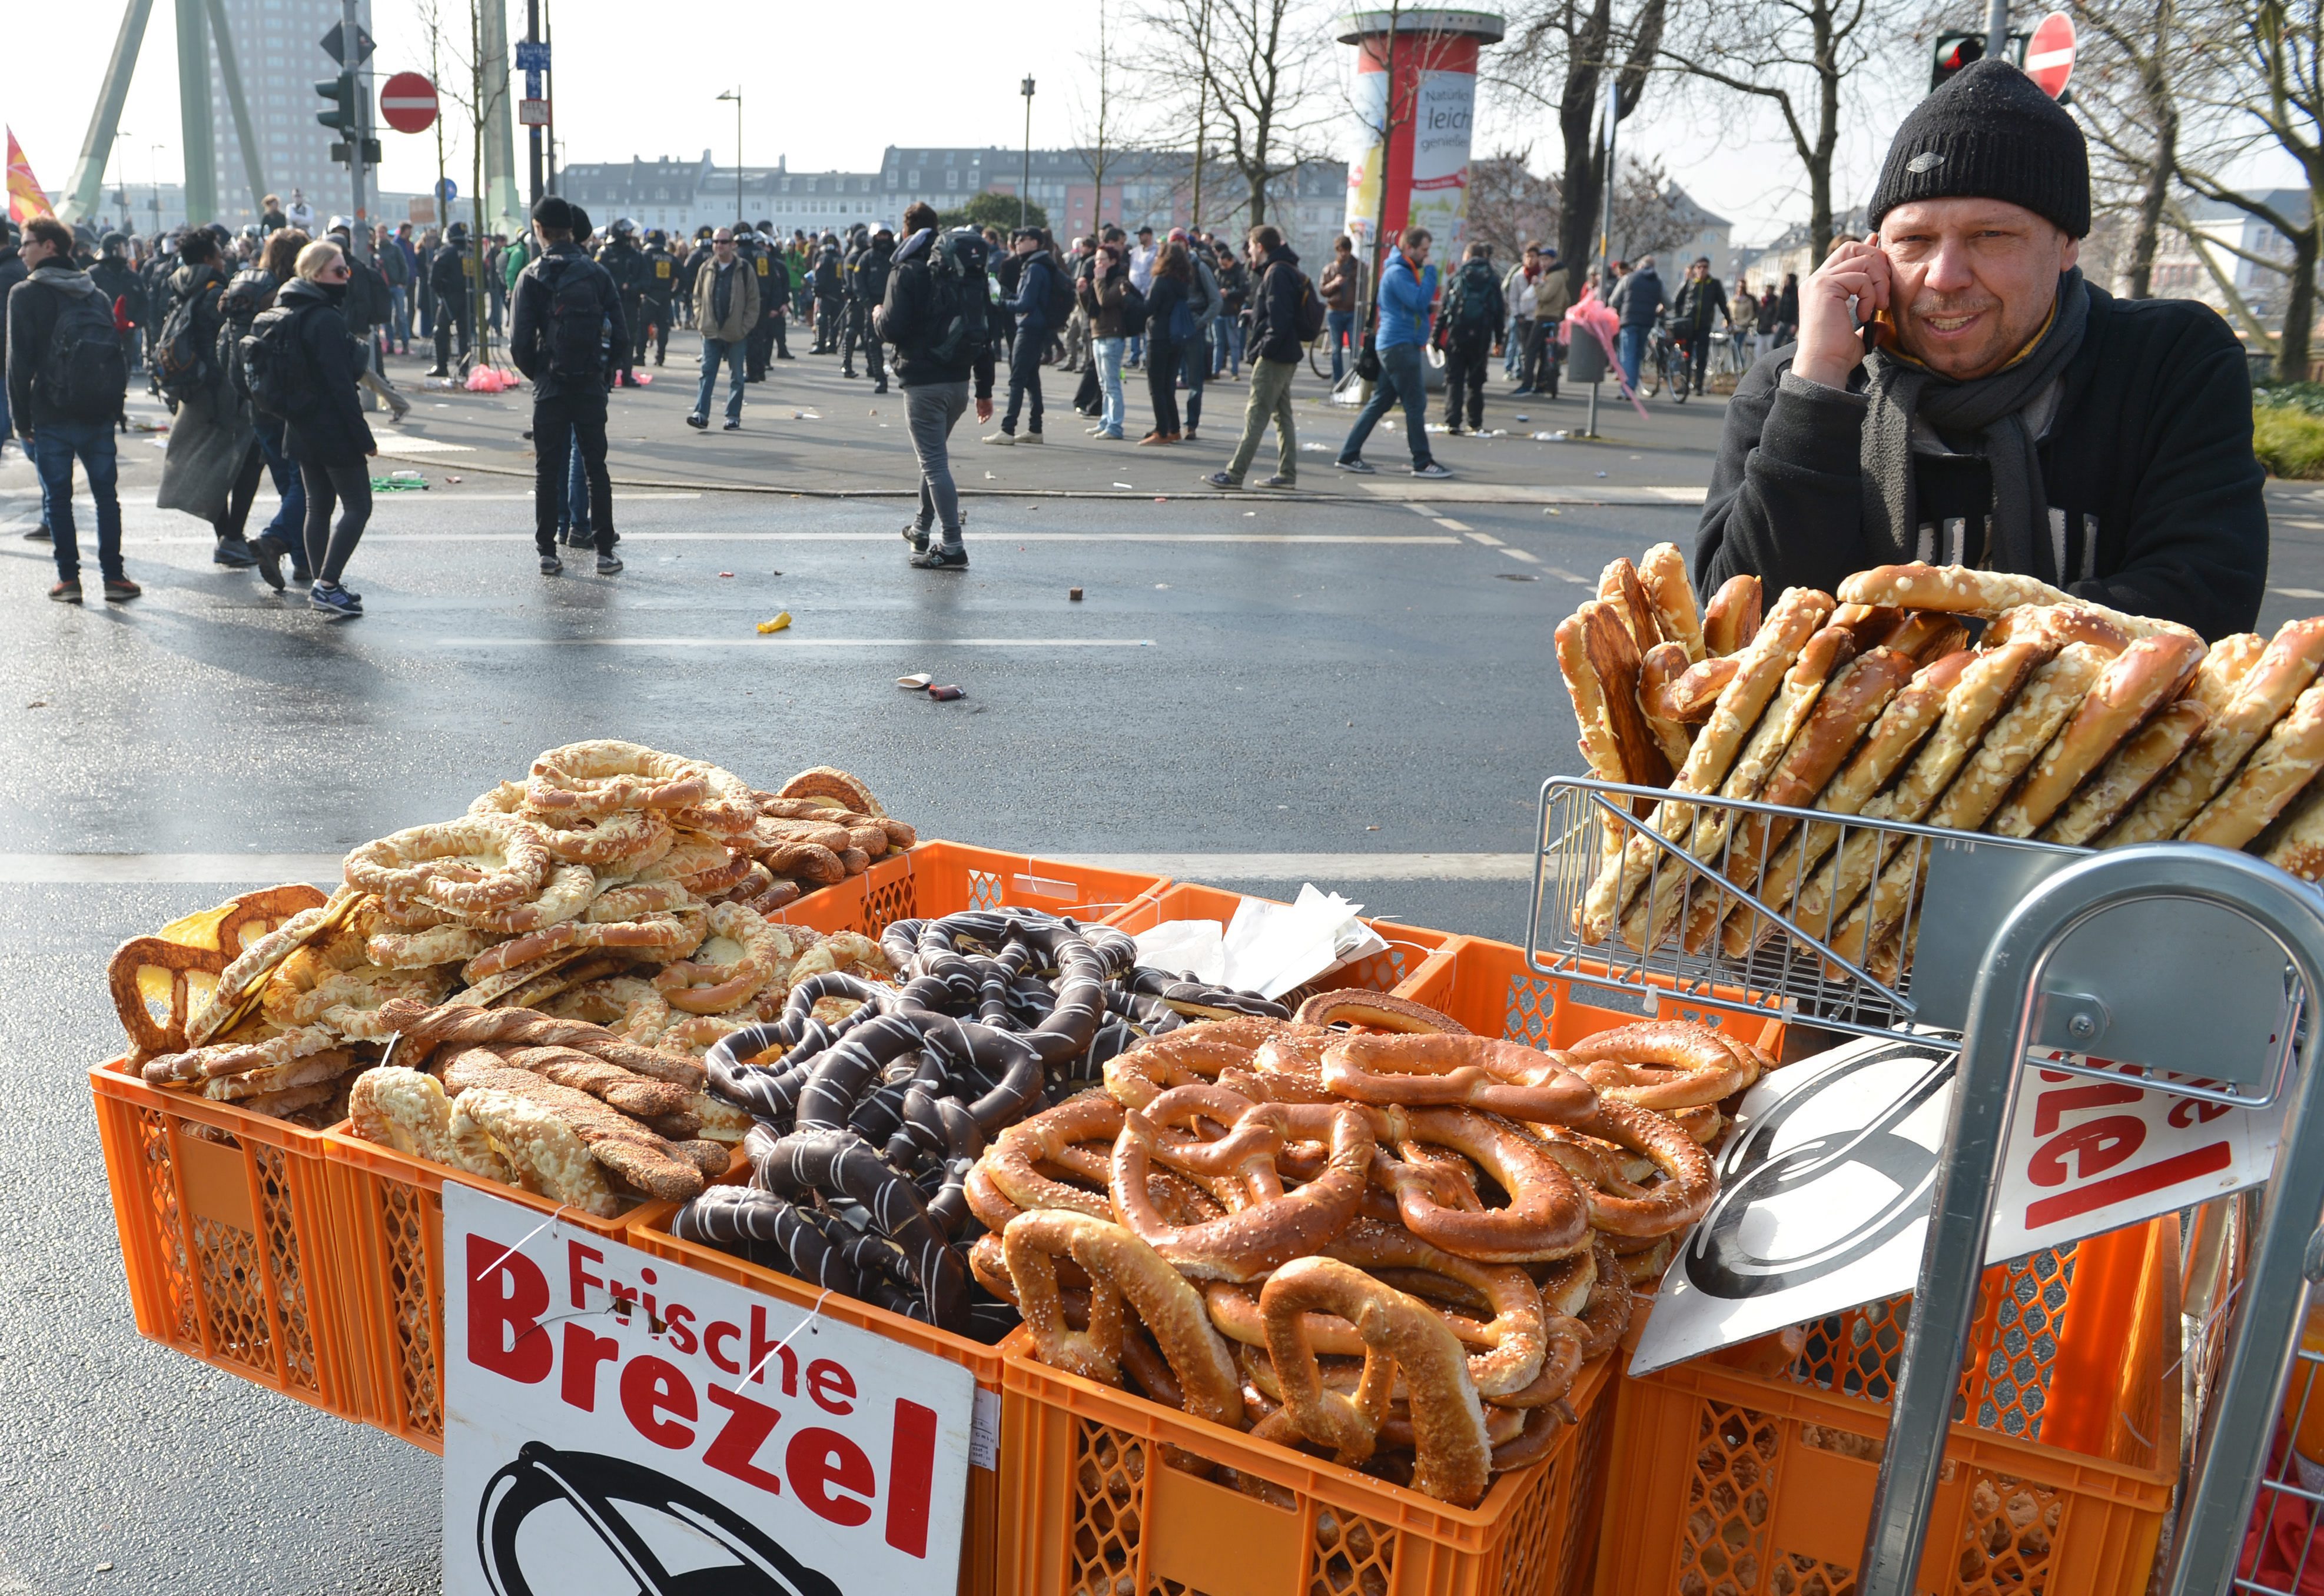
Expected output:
(2155, 503)
(330, 430)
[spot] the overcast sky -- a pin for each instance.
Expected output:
(843, 82)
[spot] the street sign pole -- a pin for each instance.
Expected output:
(532, 133)
(359, 136)
(1996, 28)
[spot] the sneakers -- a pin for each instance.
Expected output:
(1431, 471)
(234, 553)
(1521, 393)
(1219, 479)
(882, 388)
(699, 423)
(334, 601)
(550, 566)
(1154, 440)
(67, 591)
(916, 536)
(1096, 432)
(120, 590)
(270, 559)
(732, 426)
(1001, 439)
(39, 533)
(1280, 481)
(941, 556)
(609, 566)
(1452, 429)
(1031, 438)
(1110, 432)
(1358, 465)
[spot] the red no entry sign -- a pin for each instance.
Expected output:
(2050, 53)
(407, 103)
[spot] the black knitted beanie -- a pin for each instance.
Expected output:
(1988, 132)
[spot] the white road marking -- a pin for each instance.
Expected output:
(1518, 553)
(1486, 538)
(1450, 524)
(2299, 592)
(144, 869)
(792, 640)
(397, 444)
(1563, 575)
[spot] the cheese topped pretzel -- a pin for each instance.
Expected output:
(1966, 592)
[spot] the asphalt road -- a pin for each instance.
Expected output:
(1309, 675)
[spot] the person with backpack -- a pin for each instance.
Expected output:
(829, 303)
(118, 279)
(1169, 335)
(1203, 297)
(1105, 294)
(1043, 300)
(65, 375)
(369, 308)
(300, 360)
(725, 313)
(211, 433)
(1474, 311)
(287, 531)
(935, 316)
(874, 267)
(1407, 291)
(564, 305)
(1286, 313)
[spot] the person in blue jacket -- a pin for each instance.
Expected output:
(1407, 291)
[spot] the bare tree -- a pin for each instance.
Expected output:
(1248, 74)
(2126, 62)
(1794, 55)
(479, 87)
(1098, 119)
(1509, 205)
(1651, 215)
(1562, 52)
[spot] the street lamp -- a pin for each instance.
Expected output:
(735, 95)
(1025, 183)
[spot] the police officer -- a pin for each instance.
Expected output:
(118, 280)
(852, 328)
(830, 297)
(770, 339)
(751, 250)
(869, 282)
(447, 275)
(626, 264)
(658, 282)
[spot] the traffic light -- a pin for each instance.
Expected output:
(340, 94)
(1954, 51)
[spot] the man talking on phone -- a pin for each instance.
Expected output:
(1960, 395)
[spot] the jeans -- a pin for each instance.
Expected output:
(930, 412)
(1513, 343)
(54, 448)
(1270, 401)
(1025, 377)
(1162, 386)
(1630, 349)
(1339, 327)
(1108, 377)
(400, 322)
(1137, 351)
(347, 489)
(1401, 379)
(1538, 368)
(1192, 358)
(1230, 344)
(717, 353)
(561, 425)
(288, 525)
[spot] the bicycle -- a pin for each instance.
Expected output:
(1665, 365)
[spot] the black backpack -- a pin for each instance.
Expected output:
(275, 372)
(961, 299)
(1133, 310)
(573, 336)
(84, 373)
(1472, 310)
(1060, 306)
(1309, 319)
(247, 295)
(181, 365)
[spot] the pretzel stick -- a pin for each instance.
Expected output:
(425, 1029)
(2299, 845)
(1619, 586)
(2139, 679)
(2269, 781)
(1732, 619)
(1664, 665)
(1615, 659)
(1664, 572)
(2134, 767)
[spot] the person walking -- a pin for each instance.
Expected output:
(1640, 301)
(65, 375)
(368, 307)
(286, 533)
(725, 312)
(566, 309)
(1553, 296)
(776, 290)
(1407, 291)
(126, 294)
(1474, 311)
(1700, 302)
(869, 282)
(211, 434)
(1194, 358)
(1744, 314)
(326, 434)
(1142, 257)
(1234, 300)
(658, 282)
(1285, 304)
(624, 262)
(1040, 289)
(934, 316)
(1104, 294)
(447, 282)
(1169, 332)
(830, 301)
(395, 266)
(1338, 287)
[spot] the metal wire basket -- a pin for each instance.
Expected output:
(1752, 907)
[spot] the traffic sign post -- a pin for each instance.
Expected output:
(2050, 54)
(532, 113)
(407, 103)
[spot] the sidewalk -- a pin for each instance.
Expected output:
(807, 431)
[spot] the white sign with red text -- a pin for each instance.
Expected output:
(617, 1422)
(1826, 1182)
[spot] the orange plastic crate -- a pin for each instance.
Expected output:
(389, 1208)
(1750, 1472)
(936, 878)
(1095, 1508)
(1490, 989)
(979, 1534)
(1409, 946)
(225, 1236)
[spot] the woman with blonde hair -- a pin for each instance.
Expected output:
(328, 436)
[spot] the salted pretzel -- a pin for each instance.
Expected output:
(1546, 1217)
(831, 788)
(629, 839)
(478, 863)
(1376, 1011)
(238, 1057)
(1453, 1454)
(198, 978)
(590, 780)
(1068, 1137)
(1186, 1056)
(1124, 1274)
(1618, 1207)
(1475, 1071)
(1513, 1342)
(1241, 1246)
(1663, 1064)
(406, 1109)
(1963, 590)
(466, 1025)
(1732, 619)
(741, 954)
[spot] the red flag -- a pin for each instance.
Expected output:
(25, 200)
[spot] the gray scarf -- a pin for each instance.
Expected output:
(1990, 408)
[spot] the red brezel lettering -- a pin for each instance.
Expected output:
(651, 1388)
(718, 1333)
(507, 1294)
(2053, 1106)
(831, 1386)
(734, 1449)
(585, 1349)
(2094, 1146)
(820, 1460)
(679, 1319)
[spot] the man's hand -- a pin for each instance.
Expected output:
(985, 409)
(1830, 347)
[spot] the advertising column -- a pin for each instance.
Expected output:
(1427, 112)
